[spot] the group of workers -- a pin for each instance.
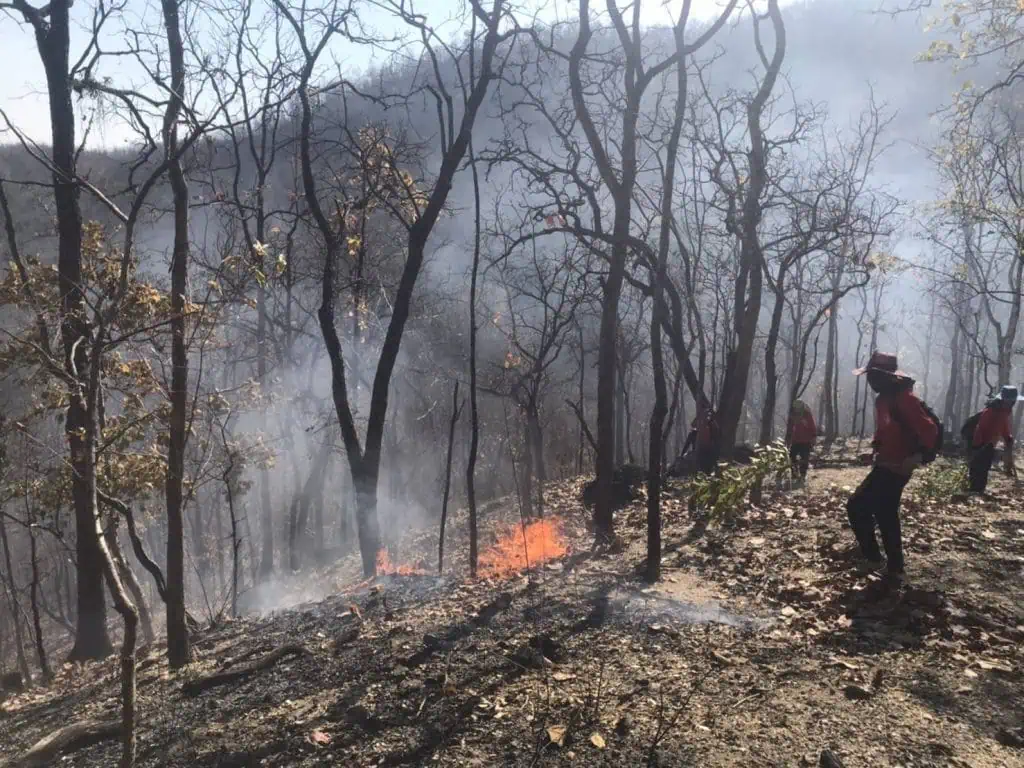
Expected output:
(907, 435)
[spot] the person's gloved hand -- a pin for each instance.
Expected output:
(911, 463)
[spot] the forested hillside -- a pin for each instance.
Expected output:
(302, 307)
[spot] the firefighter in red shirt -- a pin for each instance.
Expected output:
(902, 430)
(993, 426)
(800, 435)
(704, 439)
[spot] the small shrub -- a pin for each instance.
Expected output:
(724, 494)
(940, 482)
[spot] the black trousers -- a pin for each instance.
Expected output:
(707, 460)
(877, 501)
(800, 458)
(980, 464)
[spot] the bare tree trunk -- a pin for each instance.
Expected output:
(200, 551)
(364, 459)
(16, 616)
(929, 336)
(44, 664)
(536, 436)
(621, 429)
(581, 392)
(949, 411)
(770, 374)
(749, 285)
(857, 358)
(178, 651)
(831, 355)
(526, 485)
(52, 33)
(456, 410)
(311, 490)
(130, 616)
(872, 348)
(656, 459)
(128, 577)
(474, 413)
(621, 186)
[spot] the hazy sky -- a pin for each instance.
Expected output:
(23, 87)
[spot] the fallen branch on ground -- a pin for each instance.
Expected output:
(195, 687)
(67, 739)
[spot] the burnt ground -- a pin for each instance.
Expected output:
(760, 647)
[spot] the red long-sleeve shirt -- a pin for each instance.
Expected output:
(704, 425)
(895, 441)
(803, 430)
(993, 425)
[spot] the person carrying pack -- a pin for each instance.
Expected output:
(907, 435)
(967, 431)
(704, 437)
(801, 433)
(992, 424)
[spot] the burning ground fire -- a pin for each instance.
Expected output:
(523, 547)
(516, 550)
(386, 568)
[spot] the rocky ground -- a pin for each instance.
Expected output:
(760, 647)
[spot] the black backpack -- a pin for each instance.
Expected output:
(967, 430)
(928, 455)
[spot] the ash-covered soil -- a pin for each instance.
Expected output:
(760, 647)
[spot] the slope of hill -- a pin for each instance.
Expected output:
(760, 647)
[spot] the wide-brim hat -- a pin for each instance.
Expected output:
(883, 363)
(1010, 394)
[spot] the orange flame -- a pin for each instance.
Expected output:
(386, 568)
(521, 548)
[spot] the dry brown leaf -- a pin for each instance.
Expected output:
(597, 740)
(561, 677)
(557, 734)
(319, 738)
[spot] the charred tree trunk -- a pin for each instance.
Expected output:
(929, 336)
(526, 484)
(178, 651)
(52, 33)
(536, 437)
(771, 376)
(581, 393)
(364, 460)
(474, 413)
(830, 377)
(656, 458)
(621, 428)
(37, 625)
(456, 410)
(949, 411)
(16, 615)
(621, 185)
(749, 283)
(857, 359)
(312, 489)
